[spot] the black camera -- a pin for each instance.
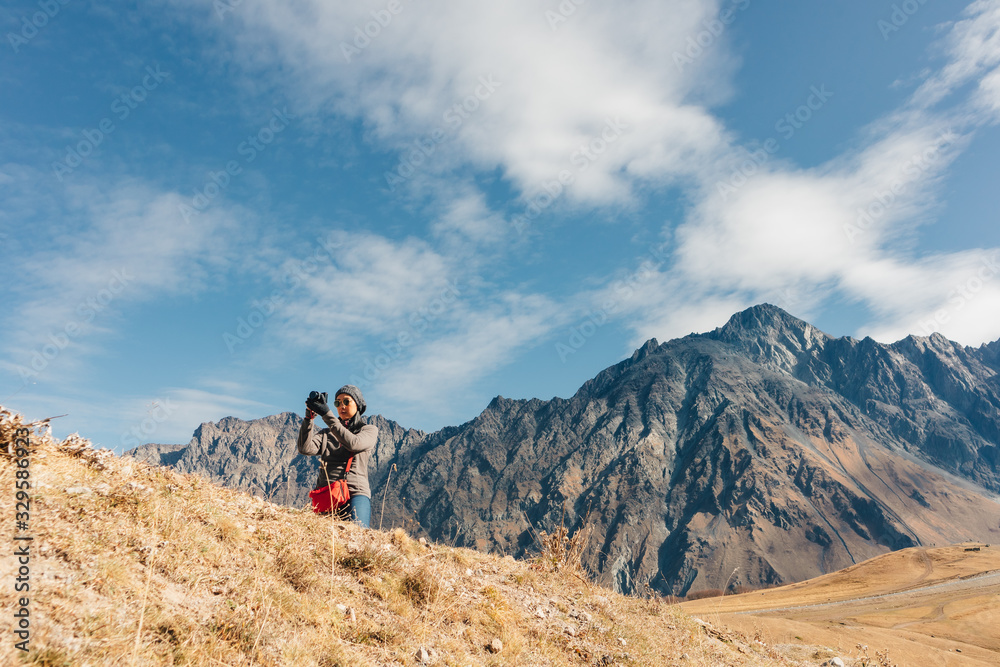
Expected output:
(315, 396)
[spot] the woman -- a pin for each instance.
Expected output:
(348, 437)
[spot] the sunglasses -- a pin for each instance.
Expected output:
(342, 402)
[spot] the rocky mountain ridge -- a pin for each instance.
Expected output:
(259, 456)
(762, 452)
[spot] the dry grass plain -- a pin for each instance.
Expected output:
(926, 605)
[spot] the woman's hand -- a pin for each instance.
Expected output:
(317, 403)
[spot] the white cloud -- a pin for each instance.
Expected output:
(783, 225)
(947, 293)
(403, 317)
(122, 422)
(679, 318)
(369, 287)
(533, 96)
(842, 229)
(107, 247)
(973, 48)
(467, 218)
(171, 416)
(845, 228)
(486, 340)
(776, 228)
(534, 107)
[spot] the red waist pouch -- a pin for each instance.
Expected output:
(332, 496)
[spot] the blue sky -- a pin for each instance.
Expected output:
(209, 209)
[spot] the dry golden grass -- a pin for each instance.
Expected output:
(152, 567)
(924, 605)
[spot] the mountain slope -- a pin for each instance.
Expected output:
(133, 565)
(762, 452)
(694, 458)
(932, 394)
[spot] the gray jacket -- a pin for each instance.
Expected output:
(335, 445)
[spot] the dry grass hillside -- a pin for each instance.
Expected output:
(136, 565)
(924, 605)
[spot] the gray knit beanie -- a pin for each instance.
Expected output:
(354, 393)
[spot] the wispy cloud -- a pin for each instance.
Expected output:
(485, 340)
(466, 220)
(846, 228)
(399, 315)
(955, 294)
(367, 287)
(554, 93)
(973, 49)
(105, 248)
(481, 124)
(820, 230)
(167, 417)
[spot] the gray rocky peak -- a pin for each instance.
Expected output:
(763, 452)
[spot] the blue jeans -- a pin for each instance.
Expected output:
(359, 511)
